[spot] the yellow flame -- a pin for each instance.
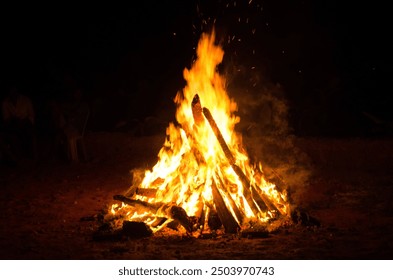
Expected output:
(192, 157)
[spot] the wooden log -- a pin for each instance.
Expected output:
(179, 214)
(176, 213)
(260, 199)
(239, 214)
(252, 194)
(213, 220)
(202, 218)
(170, 211)
(196, 108)
(158, 222)
(252, 198)
(228, 221)
(249, 190)
(135, 202)
(131, 191)
(217, 133)
(198, 121)
(266, 200)
(146, 192)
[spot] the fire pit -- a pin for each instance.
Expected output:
(203, 180)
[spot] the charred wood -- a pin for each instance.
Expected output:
(178, 214)
(135, 202)
(217, 133)
(196, 108)
(146, 192)
(228, 221)
(158, 222)
(169, 211)
(247, 187)
(213, 220)
(239, 215)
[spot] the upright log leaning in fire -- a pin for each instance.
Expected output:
(250, 192)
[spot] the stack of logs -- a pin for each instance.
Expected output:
(257, 200)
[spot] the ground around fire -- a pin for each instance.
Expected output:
(49, 210)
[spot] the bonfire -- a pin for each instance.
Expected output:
(203, 180)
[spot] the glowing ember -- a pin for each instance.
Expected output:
(202, 167)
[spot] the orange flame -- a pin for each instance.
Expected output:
(192, 159)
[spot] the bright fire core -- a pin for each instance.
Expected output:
(201, 162)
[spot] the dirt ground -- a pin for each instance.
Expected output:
(44, 206)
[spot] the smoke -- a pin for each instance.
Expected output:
(265, 128)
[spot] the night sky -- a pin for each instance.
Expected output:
(330, 58)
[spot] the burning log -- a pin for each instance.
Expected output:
(135, 202)
(214, 221)
(196, 108)
(230, 224)
(169, 211)
(176, 213)
(239, 215)
(199, 120)
(250, 196)
(146, 192)
(228, 221)
(202, 218)
(217, 133)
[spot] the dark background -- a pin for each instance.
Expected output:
(328, 60)
(329, 57)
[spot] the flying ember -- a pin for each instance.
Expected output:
(202, 169)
